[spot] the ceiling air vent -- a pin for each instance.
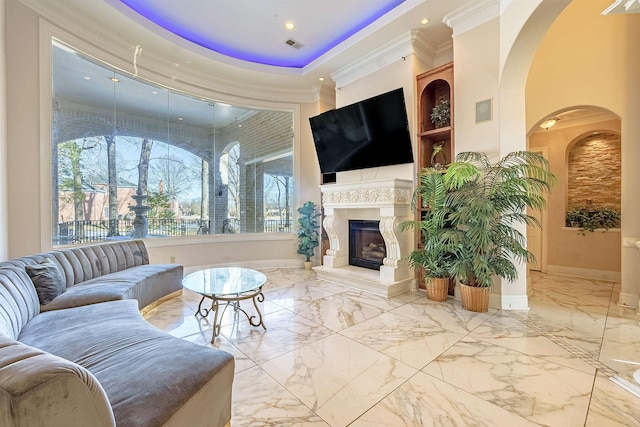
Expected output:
(294, 44)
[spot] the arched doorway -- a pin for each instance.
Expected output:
(583, 147)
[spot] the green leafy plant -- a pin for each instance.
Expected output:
(593, 218)
(435, 255)
(441, 112)
(576, 216)
(308, 236)
(484, 204)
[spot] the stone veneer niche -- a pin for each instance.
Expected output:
(387, 201)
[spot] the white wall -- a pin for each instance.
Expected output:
(23, 130)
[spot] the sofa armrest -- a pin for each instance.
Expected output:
(38, 389)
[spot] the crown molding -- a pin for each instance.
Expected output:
(423, 49)
(472, 15)
(399, 49)
(444, 53)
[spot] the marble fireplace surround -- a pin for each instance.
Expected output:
(387, 201)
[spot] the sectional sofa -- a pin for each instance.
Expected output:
(75, 350)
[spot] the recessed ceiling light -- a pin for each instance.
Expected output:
(114, 79)
(290, 26)
(155, 92)
(87, 78)
(180, 118)
(321, 79)
(424, 21)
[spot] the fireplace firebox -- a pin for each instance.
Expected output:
(366, 245)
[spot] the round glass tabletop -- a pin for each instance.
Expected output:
(224, 281)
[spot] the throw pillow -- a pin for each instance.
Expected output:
(47, 279)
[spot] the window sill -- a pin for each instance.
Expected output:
(218, 238)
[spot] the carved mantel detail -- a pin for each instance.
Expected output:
(368, 194)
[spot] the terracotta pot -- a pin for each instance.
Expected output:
(437, 288)
(474, 298)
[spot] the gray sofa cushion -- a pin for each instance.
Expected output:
(113, 342)
(47, 279)
(40, 389)
(145, 283)
(18, 300)
(89, 262)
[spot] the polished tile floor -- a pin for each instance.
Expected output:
(336, 356)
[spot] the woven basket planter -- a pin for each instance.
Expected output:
(474, 298)
(437, 288)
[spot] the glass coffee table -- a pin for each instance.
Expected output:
(228, 285)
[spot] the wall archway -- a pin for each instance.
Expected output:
(512, 108)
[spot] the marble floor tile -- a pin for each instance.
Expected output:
(294, 295)
(530, 387)
(583, 329)
(428, 401)
(621, 345)
(333, 355)
(338, 377)
(285, 332)
(447, 315)
(402, 338)
(338, 312)
(507, 331)
(611, 405)
(258, 400)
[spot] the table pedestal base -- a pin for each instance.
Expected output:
(234, 301)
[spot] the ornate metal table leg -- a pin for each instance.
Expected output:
(216, 327)
(260, 298)
(204, 312)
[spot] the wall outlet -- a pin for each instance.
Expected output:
(172, 259)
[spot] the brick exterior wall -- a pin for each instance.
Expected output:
(260, 135)
(594, 172)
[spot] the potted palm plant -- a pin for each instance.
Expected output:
(484, 204)
(308, 236)
(435, 255)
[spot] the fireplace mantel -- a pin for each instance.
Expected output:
(388, 201)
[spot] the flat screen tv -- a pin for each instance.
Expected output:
(367, 134)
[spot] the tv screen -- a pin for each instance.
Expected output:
(367, 134)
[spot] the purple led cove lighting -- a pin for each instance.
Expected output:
(303, 57)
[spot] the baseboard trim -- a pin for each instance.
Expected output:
(585, 273)
(509, 302)
(628, 300)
